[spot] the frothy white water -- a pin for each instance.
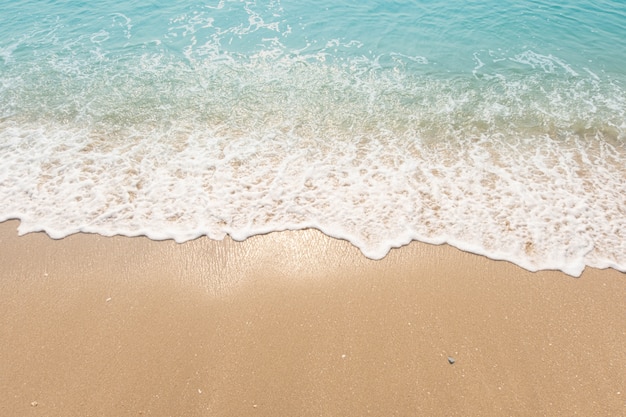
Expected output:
(541, 202)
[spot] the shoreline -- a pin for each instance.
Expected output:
(297, 323)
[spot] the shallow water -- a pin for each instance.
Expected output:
(497, 127)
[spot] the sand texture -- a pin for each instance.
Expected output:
(299, 324)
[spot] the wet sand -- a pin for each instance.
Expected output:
(299, 324)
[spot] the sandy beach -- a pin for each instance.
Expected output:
(299, 324)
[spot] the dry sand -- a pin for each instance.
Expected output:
(298, 324)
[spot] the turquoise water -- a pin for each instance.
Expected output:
(495, 126)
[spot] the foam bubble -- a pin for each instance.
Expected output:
(542, 202)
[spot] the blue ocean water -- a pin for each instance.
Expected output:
(496, 126)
